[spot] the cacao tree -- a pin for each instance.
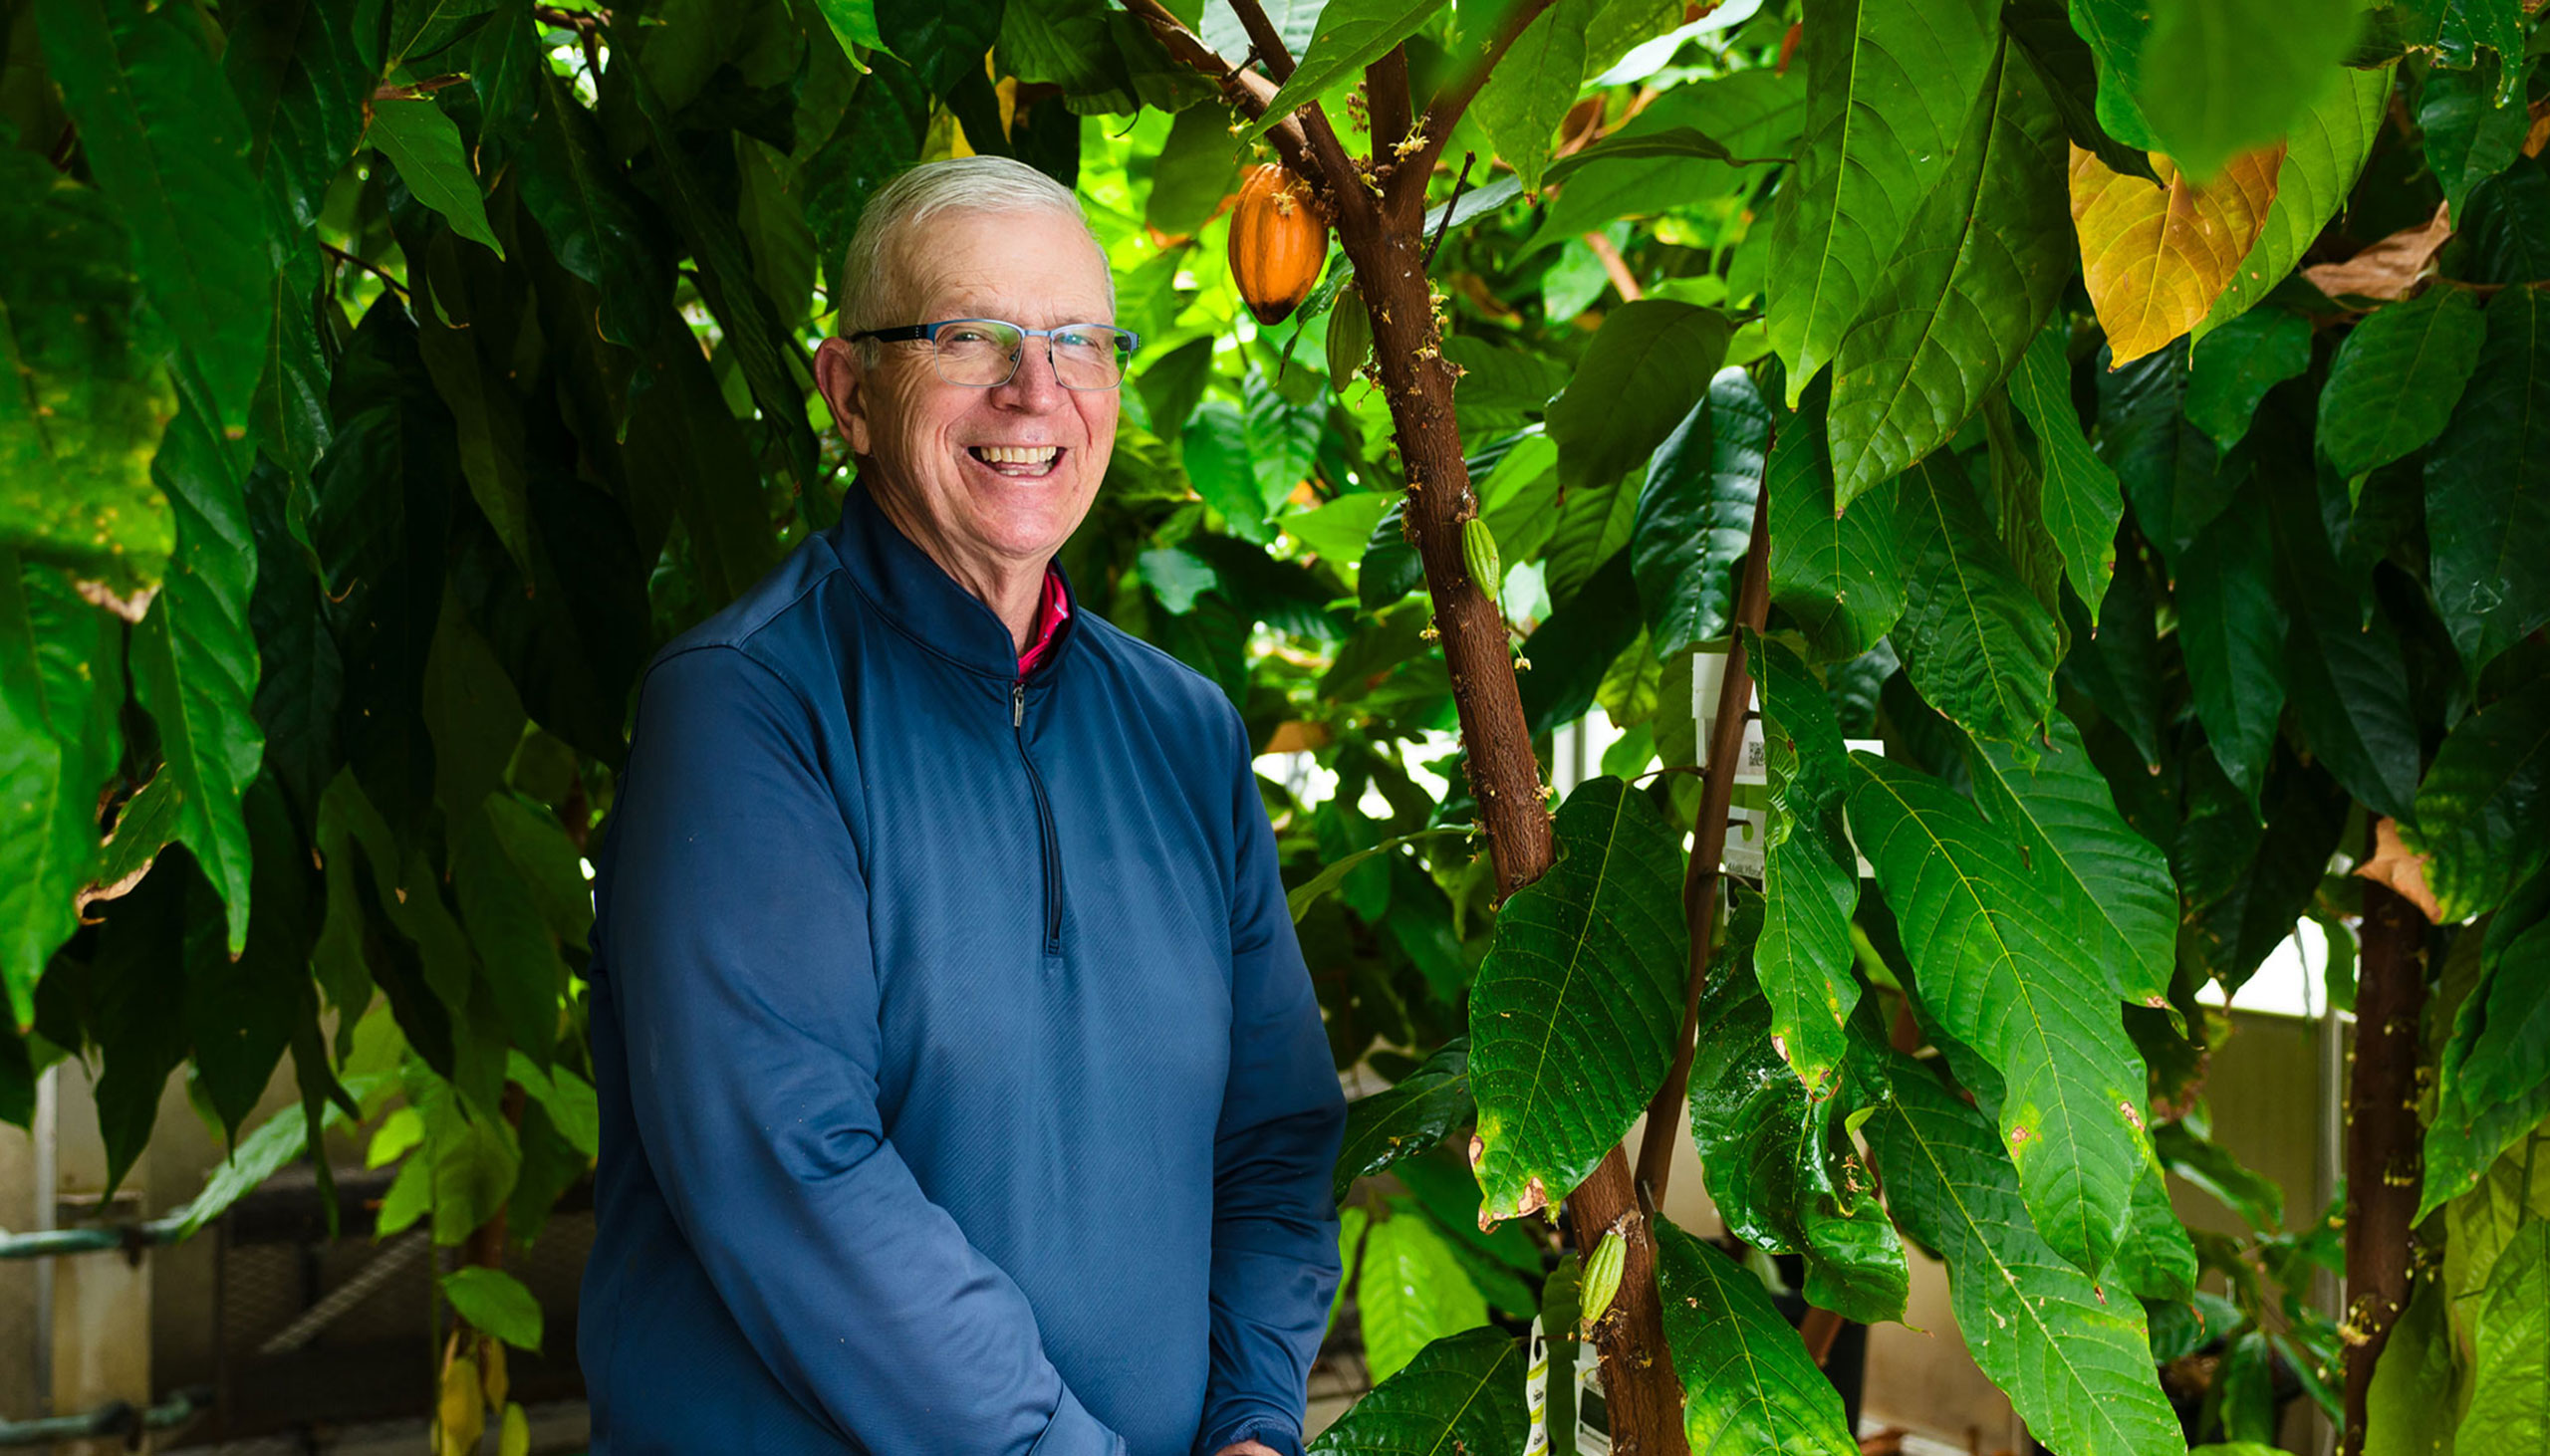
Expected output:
(2136, 421)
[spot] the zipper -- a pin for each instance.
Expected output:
(1046, 848)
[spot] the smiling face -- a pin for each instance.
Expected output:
(989, 481)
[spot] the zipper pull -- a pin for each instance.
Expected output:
(1018, 703)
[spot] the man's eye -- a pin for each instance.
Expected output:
(968, 336)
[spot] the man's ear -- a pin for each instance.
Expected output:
(847, 387)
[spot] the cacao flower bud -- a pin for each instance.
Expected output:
(1279, 241)
(1478, 553)
(1602, 1280)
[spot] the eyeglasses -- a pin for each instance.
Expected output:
(983, 353)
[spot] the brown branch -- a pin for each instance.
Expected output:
(366, 265)
(1386, 92)
(1445, 109)
(1453, 201)
(2384, 1138)
(1265, 39)
(1818, 1331)
(1700, 876)
(1616, 265)
(1306, 142)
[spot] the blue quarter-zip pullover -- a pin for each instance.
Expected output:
(962, 1086)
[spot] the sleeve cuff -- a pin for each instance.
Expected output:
(1272, 1432)
(1074, 1432)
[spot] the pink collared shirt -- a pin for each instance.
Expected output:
(1051, 608)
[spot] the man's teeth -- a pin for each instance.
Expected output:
(1016, 454)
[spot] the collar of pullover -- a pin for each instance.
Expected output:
(927, 603)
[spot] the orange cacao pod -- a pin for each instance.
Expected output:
(1279, 240)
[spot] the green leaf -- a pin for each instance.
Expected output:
(878, 135)
(1463, 1392)
(1351, 35)
(514, 943)
(1810, 883)
(2493, 1082)
(194, 662)
(1661, 153)
(2113, 882)
(853, 23)
(1695, 515)
(1888, 86)
(2074, 1358)
(156, 937)
(289, 418)
(1197, 168)
(241, 1013)
(591, 216)
(89, 399)
(1777, 1171)
(1650, 362)
(2249, 882)
(2396, 379)
(1575, 1011)
(2347, 674)
(2002, 967)
(2043, 30)
(2488, 487)
(2157, 1260)
(301, 87)
(495, 1303)
(943, 44)
(60, 695)
(164, 137)
(379, 523)
(1533, 84)
(1748, 1384)
(1980, 268)
(280, 1140)
(2235, 366)
(2081, 497)
(2172, 473)
(1301, 897)
(2324, 149)
(2508, 226)
(2484, 811)
(1836, 574)
(1411, 1291)
(2469, 132)
(426, 144)
(2408, 1410)
(2509, 1406)
(1337, 531)
(1413, 1115)
(2219, 77)
(2231, 628)
(2116, 31)
(1975, 640)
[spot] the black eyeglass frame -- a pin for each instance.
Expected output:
(929, 331)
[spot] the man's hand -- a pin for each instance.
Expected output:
(1245, 1448)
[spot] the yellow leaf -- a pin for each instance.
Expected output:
(2154, 258)
(516, 1437)
(492, 1380)
(462, 1415)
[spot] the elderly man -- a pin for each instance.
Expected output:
(962, 1087)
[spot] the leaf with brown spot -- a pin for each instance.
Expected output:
(2155, 258)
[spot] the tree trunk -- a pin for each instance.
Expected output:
(1642, 1397)
(2383, 1138)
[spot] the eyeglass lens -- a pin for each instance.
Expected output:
(984, 353)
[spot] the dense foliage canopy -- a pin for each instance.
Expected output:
(2133, 419)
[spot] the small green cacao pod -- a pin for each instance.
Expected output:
(1602, 1278)
(1478, 553)
(1350, 339)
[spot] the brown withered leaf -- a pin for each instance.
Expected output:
(2404, 872)
(2155, 258)
(2391, 267)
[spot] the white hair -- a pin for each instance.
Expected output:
(871, 285)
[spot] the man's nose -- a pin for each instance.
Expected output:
(1032, 386)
